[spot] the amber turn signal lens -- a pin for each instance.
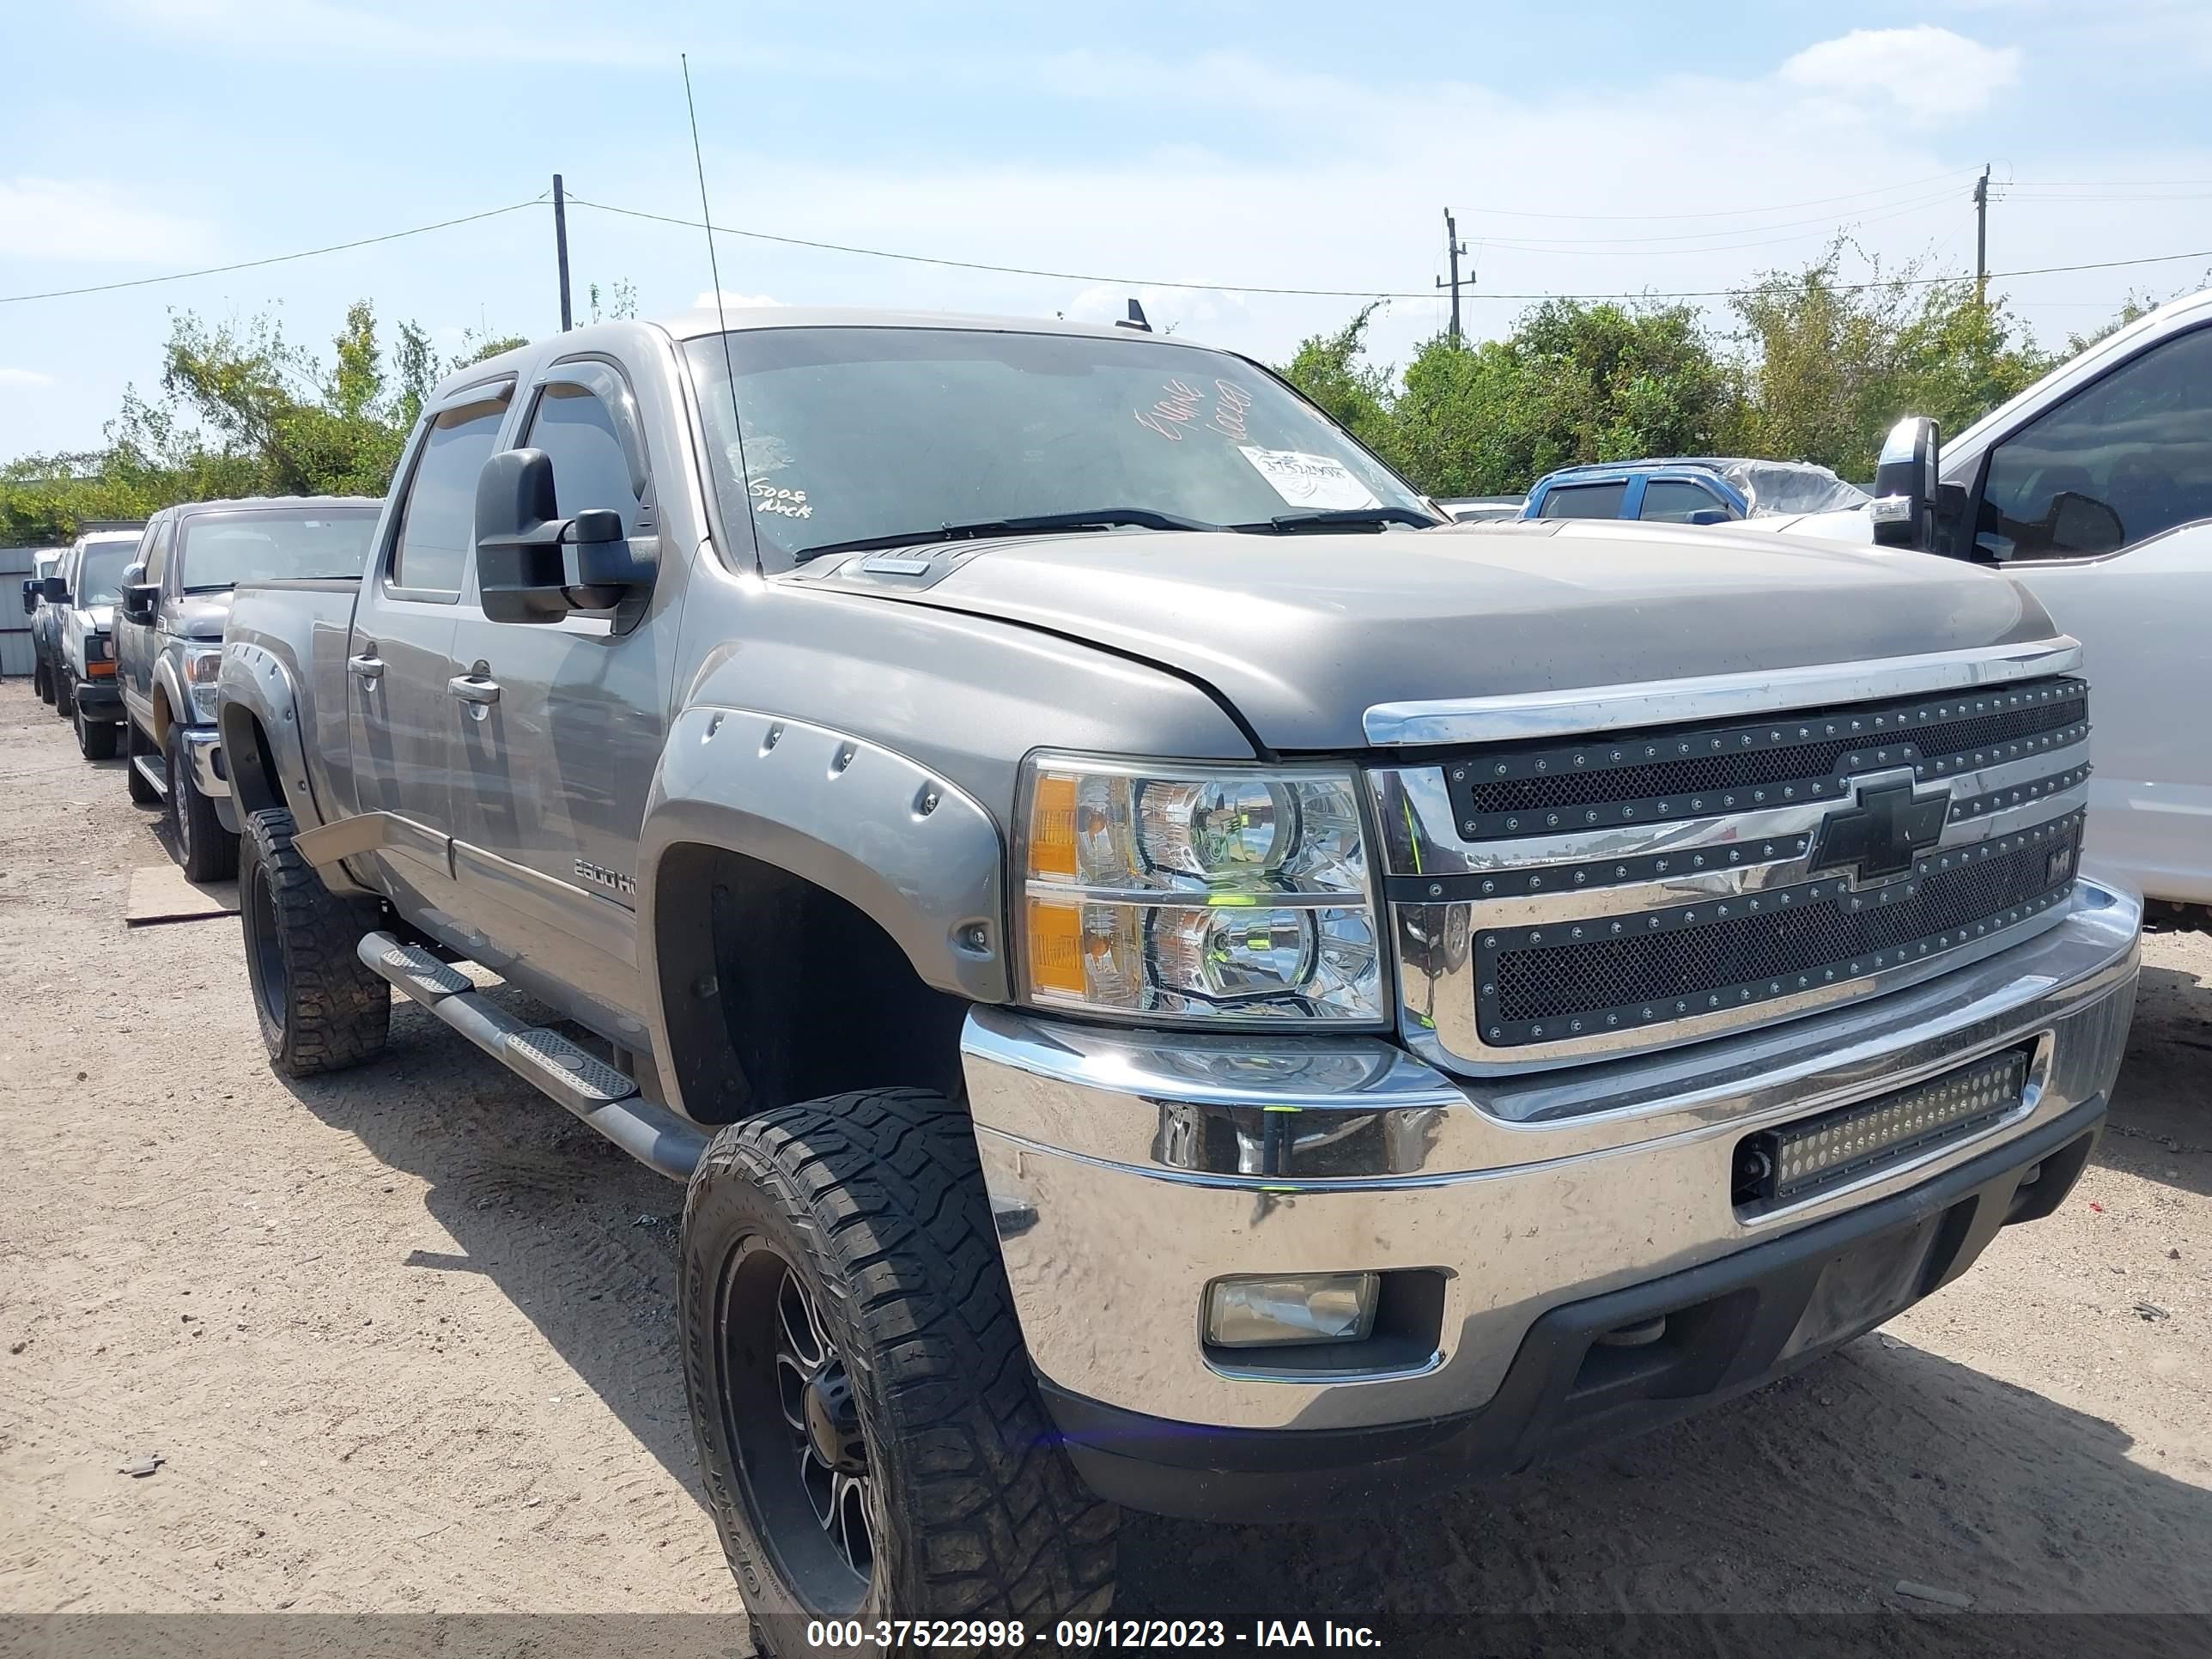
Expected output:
(1052, 827)
(98, 670)
(1055, 945)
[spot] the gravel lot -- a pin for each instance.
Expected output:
(403, 1340)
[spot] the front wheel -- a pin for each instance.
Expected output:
(42, 679)
(207, 851)
(64, 695)
(95, 739)
(871, 1436)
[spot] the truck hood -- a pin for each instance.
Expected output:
(98, 618)
(1301, 634)
(201, 615)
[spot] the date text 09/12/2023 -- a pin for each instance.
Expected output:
(831, 1635)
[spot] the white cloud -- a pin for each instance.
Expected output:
(92, 221)
(27, 377)
(733, 300)
(1930, 73)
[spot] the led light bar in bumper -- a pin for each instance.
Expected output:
(1782, 1165)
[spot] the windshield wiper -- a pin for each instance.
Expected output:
(1339, 518)
(1034, 524)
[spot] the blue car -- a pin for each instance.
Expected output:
(1698, 491)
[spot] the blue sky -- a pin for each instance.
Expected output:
(1585, 147)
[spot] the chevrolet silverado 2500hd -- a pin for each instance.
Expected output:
(1172, 982)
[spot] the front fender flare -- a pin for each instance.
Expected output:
(256, 686)
(918, 856)
(169, 685)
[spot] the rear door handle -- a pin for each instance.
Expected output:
(472, 688)
(367, 667)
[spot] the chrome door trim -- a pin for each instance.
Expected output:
(1520, 715)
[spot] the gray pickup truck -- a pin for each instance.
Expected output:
(1173, 980)
(168, 645)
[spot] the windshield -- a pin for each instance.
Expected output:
(852, 432)
(100, 578)
(224, 549)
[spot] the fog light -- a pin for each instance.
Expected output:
(1253, 1313)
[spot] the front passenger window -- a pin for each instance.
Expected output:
(592, 464)
(2118, 463)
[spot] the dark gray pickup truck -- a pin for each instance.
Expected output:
(1173, 980)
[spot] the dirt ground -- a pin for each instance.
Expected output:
(403, 1340)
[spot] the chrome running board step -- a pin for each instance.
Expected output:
(155, 770)
(605, 1099)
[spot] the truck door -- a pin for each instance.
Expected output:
(398, 657)
(138, 645)
(560, 724)
(2102, 505)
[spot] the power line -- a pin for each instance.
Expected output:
(273, 260)
(1332, 293)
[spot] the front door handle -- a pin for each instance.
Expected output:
(367, 667)
(473, 688)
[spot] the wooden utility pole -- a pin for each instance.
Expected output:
(1453, 248)
(1981, 237)
(561, 248)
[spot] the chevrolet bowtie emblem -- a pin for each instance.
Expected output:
(1880, 835)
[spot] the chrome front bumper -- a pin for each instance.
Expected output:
(203, 747)
(1128, 1169)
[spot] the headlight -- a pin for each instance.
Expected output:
(201, 666)
(98, 647)
(1213, 893)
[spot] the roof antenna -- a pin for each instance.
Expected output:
(721, 318)
(1135, 318)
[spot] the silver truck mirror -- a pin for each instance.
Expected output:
(1903, 511)
(533, 566)
(54, 590)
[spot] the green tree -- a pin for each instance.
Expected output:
(241, 411)
(1332, 369)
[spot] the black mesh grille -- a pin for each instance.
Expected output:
(1503, 784)
(1706, 774)
(1648, 973)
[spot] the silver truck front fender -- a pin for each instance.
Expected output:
(169, 687)
(255, 688)
(919, 857)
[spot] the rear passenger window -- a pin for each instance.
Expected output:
(1594, 500)
(1672, 500)
(591, 448)
(437, 523)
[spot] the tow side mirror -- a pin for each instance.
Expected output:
(140, 596)
(30, 595)
(1903, 511)
(54, 590)
(533, 566)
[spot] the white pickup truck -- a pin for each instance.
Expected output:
(2093, 489)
